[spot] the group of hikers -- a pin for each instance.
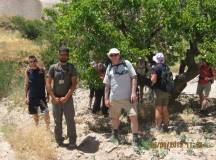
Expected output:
(121, 88)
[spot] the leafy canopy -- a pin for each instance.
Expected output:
(137, 27)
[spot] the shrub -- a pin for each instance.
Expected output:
(31, 29)
(7, 74)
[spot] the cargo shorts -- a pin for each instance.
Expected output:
(161, 98)
(118, 105)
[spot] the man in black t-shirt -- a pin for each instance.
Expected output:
(35, 93)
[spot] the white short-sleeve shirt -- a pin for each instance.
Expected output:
(119, 78)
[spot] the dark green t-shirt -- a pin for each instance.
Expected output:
(61, 75)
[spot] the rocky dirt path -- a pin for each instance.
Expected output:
(196, 133)
(6, 152)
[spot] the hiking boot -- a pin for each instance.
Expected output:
(106, 115)
(135, 146)
(203, 112)
(165, 128)
(60, 144)
(71, 146)
(115, 137)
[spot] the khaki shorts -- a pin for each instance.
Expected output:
(161, 98)
(118, 105)
(204, 89)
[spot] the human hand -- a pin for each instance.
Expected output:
(63, 100)
(133, 98)
(27, 100)
(55, 100)
(107, 103)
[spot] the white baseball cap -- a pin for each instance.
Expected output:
(113, 51)
(159, 58)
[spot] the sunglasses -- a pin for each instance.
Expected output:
(114, 55)
(34, 61)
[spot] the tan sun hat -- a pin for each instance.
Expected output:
(113, 51)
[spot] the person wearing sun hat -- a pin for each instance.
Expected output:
(120, 93)
(161, 94)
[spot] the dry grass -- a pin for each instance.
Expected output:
(13, 46)
(30, 143)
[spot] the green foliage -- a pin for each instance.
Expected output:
(137, 27)
(92, 77)
(159, 154)
(190, 151)
(183, 138)
(31, 29)
(7, 74)
(49, 56)
(146, 144)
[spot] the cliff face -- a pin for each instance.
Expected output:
(30, 9)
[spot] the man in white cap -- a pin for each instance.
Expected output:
(120, 93)
(162, 84)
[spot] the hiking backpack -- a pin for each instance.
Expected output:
(122, 63)
(167, 82)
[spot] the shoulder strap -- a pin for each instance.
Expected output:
(123, 62)
(55, 66)
(109, 67)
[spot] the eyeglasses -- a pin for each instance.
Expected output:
(114, 55)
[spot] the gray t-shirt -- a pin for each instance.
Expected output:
(119, 78)
(61, 75)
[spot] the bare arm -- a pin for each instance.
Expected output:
(134, 87)
(154, 78)
(47, 94)
(49, 87)
(106, 95)
(134, 84)
(73, 87)
(106, 91)
(26, 85)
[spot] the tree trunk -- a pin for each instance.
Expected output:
(193, 70)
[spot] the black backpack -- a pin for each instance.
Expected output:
(166, 81)
(122, 63)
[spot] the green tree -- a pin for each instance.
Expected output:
(179, 28)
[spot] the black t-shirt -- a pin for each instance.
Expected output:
(36, 83)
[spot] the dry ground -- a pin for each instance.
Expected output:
(93, 132)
